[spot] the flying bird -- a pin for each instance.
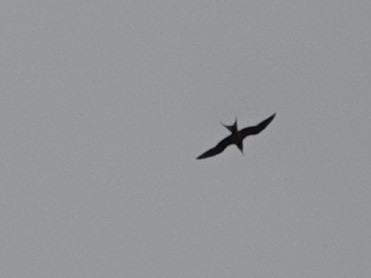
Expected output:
(236, 137)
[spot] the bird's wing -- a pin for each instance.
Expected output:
(253, 130)
(217, 149)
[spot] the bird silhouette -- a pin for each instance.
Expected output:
(236, 137)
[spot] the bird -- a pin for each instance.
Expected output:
(236, 137)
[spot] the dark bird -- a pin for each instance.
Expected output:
(236, 137)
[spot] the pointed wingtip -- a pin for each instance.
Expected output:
(272, 117)
(201, 156)
(204, 155)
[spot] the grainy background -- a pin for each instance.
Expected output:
(104, 106)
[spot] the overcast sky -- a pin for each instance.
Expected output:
(105, 105)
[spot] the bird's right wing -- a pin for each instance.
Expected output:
(216, 150)
(253, 130)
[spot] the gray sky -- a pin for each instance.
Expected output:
(105, 105)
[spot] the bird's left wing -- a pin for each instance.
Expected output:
(217, 149)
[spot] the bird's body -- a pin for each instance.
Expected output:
(236, 137)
